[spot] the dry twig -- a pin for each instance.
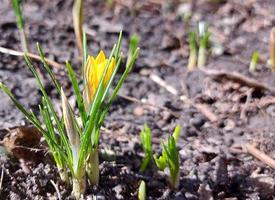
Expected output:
(57, 190)
(237, 77)
(205, 110)
(31, 55)
(260, 155)
(163, 84)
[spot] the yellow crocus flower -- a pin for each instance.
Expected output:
(94, 70)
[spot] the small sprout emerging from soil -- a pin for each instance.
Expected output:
(78, 23)
(198, 39)
(17, 7)
(169, 157)
(142, 191)
(192, 62)
(145, 136)
(272, 49)
(254, 61)
(204, 36)
(72, 142)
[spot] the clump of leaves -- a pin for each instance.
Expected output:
(169, 157)
(72, 142)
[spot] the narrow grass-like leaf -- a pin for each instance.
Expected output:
(145, 136)
(85, 56)
(77, 92)
(48, 69)
(117, 51)
(17, 4)
(21, 108)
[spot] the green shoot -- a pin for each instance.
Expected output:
(145, 136)
(142, 191)
(170, 159)
(254, 61)
(17, 7)
(204, 41)
(78, 23)
(272, 49)
(192, 62)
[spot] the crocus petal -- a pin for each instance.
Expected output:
(100, 57)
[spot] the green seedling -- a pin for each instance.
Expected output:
(74, 143)
(78, 23)
(170, 159)
(142, 191)
(204, 36)
(17, 7)
(272, 49)
(254, 61)
(192, 62)
(145, 136)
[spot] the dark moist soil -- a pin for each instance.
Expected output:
(213, 166)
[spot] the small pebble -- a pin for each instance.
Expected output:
(138, 111)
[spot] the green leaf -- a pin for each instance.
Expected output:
(48, 69)
(85, 55)
(77, 92)
(17, 7)
(176, 133)
(145, 136)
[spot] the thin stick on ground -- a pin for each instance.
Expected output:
(1, 179)
(238, 77)
(133, 99)
(31, 55)
(163, 84)
(205, 110)
(57, 190)
(260, 155)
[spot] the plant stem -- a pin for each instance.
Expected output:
(93, 167)
(63, 174)
(174, 179)
(192, 59)
(78, 22)
(24, 41)
(79, 186)
(201, 57)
